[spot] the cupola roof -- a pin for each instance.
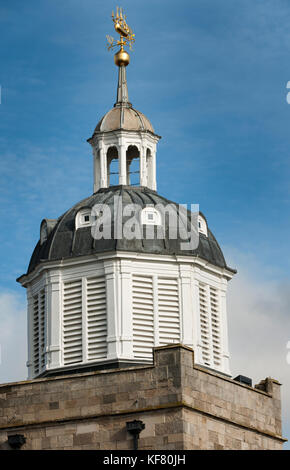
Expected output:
(126, 118)
(66, 241)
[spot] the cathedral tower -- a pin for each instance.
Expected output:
(101, 294)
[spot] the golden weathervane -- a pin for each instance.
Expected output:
(127, 37)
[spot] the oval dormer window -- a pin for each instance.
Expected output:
(150, 216)
(83, 218)
(202, 225)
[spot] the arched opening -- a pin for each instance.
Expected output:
(112, 166)
(133, 165)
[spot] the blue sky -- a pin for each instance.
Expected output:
(211, 76)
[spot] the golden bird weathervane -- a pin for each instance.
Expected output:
(127, 37)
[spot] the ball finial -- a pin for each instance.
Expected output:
(122, 58)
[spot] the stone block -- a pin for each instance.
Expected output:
(54, 405)
(165, 429)
(83, 439)
(88, 427)
(65, 441)
(53, 431)
(110, 398)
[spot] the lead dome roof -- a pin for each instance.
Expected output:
(127, 118)
(65, 241)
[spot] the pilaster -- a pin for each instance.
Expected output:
(224, 329)
(112, 310)
(122, 164)
(29, 362)
(97, 171)
(103, 166)
(143, 166)
(126, 327)
(186, 310)
(153, 169)
(54, 320)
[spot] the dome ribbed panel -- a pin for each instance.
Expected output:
(66, 242)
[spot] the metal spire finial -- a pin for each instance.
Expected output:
(122, 58)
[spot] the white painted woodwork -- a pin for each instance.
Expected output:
(72, 322)
(168, 311)
(96, 318)
(118, 306)
(143, 316)
(146, 144)
(38, 333)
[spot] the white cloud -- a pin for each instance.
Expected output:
(12, 337)
(259, 329)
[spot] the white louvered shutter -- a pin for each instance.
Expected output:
(36, 351)
(204, 324)
(215, 326)
(143, 317)
(96, 318)
(72, 322)
(210, 325)
(39, 332)
(42, 329)
(168, 311)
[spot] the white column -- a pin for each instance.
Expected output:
(112, 310)
(122, 164)
(153, 169)
(224, 330)
(126, 310)
(186, 310)
(155, 310)
(84, 320)
(45, 324)
(103, 166)
(97, 171)
(143, 166)
(54, 320)
(29, 362)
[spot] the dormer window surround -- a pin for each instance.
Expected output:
(83, 218)
(202, 225)
(150, 216)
